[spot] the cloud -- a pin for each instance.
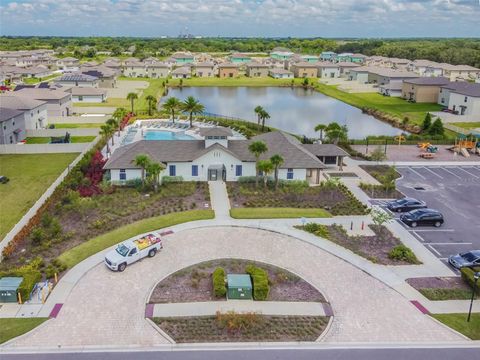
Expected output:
(242, 17)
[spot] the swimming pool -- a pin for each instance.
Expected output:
(166, 135)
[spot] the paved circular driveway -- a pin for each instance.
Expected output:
(107, 308)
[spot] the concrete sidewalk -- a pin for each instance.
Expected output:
(219, 199)
(209, 308)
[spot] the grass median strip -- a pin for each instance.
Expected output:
(13, 327)
(277, 213)
(73, 256)
(459, 323)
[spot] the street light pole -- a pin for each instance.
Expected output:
(476, 276)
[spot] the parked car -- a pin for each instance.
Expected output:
(467, 259)
(421, 217)
(405, 204)
(131, 251)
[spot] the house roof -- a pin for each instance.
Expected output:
(464, 88)
(8, 113)
(182, 71)
(255, 64)
(239, 55)
(205, 64)
(346, 64)
(68, 59)
(227, 65)
(305, 64)
(215, 131)
(428, 81)
(43, 93)
(19, 102)
(325, 150)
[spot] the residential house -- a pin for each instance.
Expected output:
(238, 58)
(397, 64)
(204, 69)
(256, 69)
(281, 53)
(88, 94)
(345, 68)
(423, 89)
(12, 125)
(461, 98)
(360, 74)
(78, 79)
(460, 72)
(35, 111)
(305, 70)
(39, 71)
(309, 58)
(426, 68)
(113, 64)
(59, 103)
(134, 68)
(227, 70)
(393, 88)
(183, 72)
(158, 70)
(68, 64)
(382, 76)
(280, 73)
(107, 77)
(216, 157)
(344, 57)
(327, 69)
(328, 56)
(181, 58)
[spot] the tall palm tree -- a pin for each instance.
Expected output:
(132, 97)
(257, 111)
(277, 161)
(143, 161)
(264, 116)
(266, 167)
(320, 127)
(151, 101)
(119, 114)
(335, 132)
(192, 106)
(113, 123)
(257, 148)
(154, 169)
(172, 105)
(106, 131)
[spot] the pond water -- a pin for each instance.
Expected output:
(293, 110)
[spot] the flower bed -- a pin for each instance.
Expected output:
(442, 288)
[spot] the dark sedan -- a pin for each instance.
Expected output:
(467, 259)
(405, 204)
(422, 217)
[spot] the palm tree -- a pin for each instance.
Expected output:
(113, 123)
(257, 111)
(119, 114)
(192, 106)
(257, 148)
(132, 97)
(277, 161)
(335, 132)
(154, 170)
(151, 101)
(264, 116)
(320, 127)
(106, 131)
(266, 167)
(143, 161)
(171, 105)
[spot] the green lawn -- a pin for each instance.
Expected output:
(77, 125)
(467, 125)
(73, 139)
(13, 327)
(238, 81)
(277, 213)
(391, 105)
(30, 175)
(34, 80)
(446, 294)
(75, 255)
(459, 322)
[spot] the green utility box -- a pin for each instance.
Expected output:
(239, 287)
(9, 288)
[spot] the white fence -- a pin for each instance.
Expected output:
(61, 132)
(33, 210)
(42, 148)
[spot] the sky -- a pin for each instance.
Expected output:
(250, 18)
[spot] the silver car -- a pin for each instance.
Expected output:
(467, 259)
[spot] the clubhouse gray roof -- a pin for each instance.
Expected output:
(295, 155)
(428, 81)
(215, 131)
(7, 113)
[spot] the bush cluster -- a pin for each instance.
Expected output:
(403, 253)
(171, 179)
(218, 278)
(467, 276)
(261, 287)
(317, 229)
(30, 273)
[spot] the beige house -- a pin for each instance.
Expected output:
(134, 68)
(255, 69)
(205, 69)
(59, 103)
(158, 70)
(424, 89)
(227, 70)
(183, 72)
(459, 72)
(305, 69)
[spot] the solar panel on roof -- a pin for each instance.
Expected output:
(44, 85)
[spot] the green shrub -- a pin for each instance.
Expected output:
(259, 276)
(218, 278)
(317, 229)
(38, 235)
(403, 253)
(246, 179)
(171, 179)
(468, 277)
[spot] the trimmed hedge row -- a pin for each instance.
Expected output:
(467, 276)
(260, 282)
(218, 278)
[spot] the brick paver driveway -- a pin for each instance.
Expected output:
(107, 308)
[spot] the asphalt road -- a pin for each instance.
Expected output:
(455, 192)
(434, 353)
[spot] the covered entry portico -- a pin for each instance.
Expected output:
(217, 172)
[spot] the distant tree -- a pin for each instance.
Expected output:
(258, 109)
(132, 97)
(119, 114)
(427, 122)
(152, 104)
(143, 161)
(436, 129)
(277, 161)
(172, 105)
(192, 106)
(257, 148)
(266, 167)
(335, 133)
(321, 128)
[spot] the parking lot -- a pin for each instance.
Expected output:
(455, 192)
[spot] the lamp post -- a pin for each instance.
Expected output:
(476, 276)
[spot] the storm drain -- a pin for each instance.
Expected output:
(419, 188)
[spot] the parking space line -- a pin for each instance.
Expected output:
(437, 243)
(423, 177)
(433, 172)
(443, 259)
(444, 168)
(434, 250)
(417, 236)
(475, 176)
(434, 230)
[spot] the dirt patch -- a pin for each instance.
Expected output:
(261, 328)
(195, 283)
(438, 283)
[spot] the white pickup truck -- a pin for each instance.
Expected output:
(131, 251)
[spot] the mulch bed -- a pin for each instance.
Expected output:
(378, 192)
(265, 328)
(195, 283)
(376, 170)
(438, 283)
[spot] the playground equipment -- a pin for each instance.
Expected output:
(466, 145)
(432, 149)
(400, 139)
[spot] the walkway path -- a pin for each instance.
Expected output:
(219, 199)
(209, 308)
